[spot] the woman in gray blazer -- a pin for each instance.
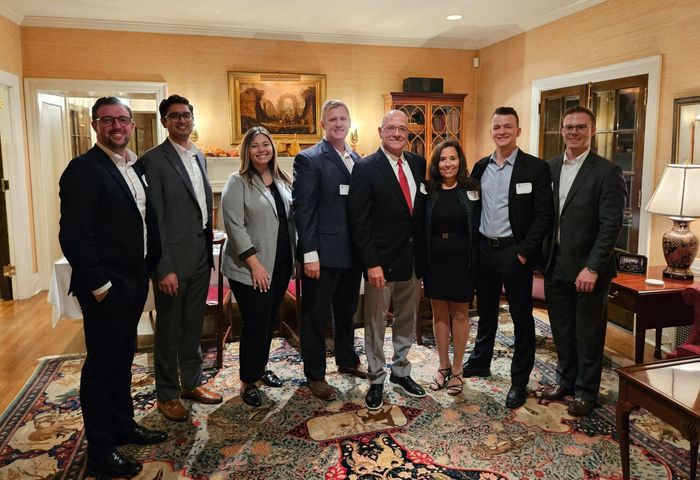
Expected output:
(259, 253)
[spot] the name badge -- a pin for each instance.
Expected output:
(344, 189)
(473, 195)
(422, 189)
(521, 188)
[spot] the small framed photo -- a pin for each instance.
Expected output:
(628, 263)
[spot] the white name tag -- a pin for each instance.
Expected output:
(473, 195)
(344, 189)
(521, 188)
(422, 189)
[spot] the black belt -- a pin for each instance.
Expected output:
(447, 235)
(500, 242)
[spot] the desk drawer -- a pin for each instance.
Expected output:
(623, 298)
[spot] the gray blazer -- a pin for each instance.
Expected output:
(250, 220)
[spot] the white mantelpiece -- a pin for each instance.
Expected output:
(220, 168)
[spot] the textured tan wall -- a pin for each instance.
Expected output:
(10, 47)
(196, 66)
(612, 32)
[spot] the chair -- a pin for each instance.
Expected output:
(219, 305)
(691, 296)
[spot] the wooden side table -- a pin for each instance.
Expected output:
(669, 390)
(655, 307)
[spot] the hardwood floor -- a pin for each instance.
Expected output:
(26, 336)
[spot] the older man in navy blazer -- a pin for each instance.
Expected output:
(331, 280)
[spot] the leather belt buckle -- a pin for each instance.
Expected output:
(494, 242)
(445, 236)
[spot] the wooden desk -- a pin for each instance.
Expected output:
(655, 307)
(669, 390)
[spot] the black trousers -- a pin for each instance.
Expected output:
(579, 324)
(105, 382)
(334, 295)
(258, 313)
(498, 268)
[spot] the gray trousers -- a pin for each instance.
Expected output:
(404, 297)
(178, 354)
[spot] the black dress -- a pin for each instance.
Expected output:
(449, 274)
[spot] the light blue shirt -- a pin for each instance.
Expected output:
(495, 187)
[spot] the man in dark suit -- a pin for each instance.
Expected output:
(589, 201)
(387, 203)
(517, 213)
(109, 236)
(182, 199)
(332, 275)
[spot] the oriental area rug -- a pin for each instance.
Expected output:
(295, 436)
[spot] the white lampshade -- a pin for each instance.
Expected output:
(678, 192)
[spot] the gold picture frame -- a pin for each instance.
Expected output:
(685, 144)
(287, 104)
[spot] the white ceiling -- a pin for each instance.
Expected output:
(416, 23)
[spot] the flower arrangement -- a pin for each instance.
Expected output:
(219, 152)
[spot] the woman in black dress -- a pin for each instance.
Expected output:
(452, 224)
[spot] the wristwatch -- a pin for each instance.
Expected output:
(589, 269)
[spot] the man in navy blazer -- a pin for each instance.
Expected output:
(109, 235)
(182, 199)
(589, 201)
(516, 215)
(387, 223)
(331, 279)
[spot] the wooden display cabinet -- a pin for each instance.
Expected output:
(432, 118)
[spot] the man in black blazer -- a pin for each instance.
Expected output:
(387, 204)
(516, 216)
(589, 201)
(331, 279)
(182, 199)
(109, 235)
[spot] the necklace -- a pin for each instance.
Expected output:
(450, 187)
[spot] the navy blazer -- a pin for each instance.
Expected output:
(591, 218)
(101, 231)
(383, 230)
(531, 214)
(320, 200)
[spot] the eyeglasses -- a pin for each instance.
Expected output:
(579, 128)
(123, 121)
(175, 116)
(395, 128)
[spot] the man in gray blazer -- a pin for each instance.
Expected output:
(182, 198)
(589, 203)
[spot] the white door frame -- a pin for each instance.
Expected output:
(18, 215)
(650, 66)
(65, 87)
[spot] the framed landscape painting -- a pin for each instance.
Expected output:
(286, 104)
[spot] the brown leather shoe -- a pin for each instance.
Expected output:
(580, 407)
(173, 410)
(358, 370)
(321, 389)
(202, 395)
(556, 392)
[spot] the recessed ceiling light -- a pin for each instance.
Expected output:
(454, 17)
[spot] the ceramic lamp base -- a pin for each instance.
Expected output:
(680, 247)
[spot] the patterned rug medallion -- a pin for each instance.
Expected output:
(296, 436)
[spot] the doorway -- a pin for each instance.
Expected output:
(5, 262)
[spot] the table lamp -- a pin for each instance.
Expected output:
(678, 197)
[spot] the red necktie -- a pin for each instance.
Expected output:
(403, 181)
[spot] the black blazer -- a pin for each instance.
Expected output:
(179, 217)
(383, 230)
(320, 207)
(101, 232)
(591, 219)
(531, 214)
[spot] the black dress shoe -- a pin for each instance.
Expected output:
(516, 396)
(251, 395)
(556, 392)
(468, 371)
(409, 385)
(271, 380)
(375, 396)
(580, 407)
(114, 464)
(141, 436)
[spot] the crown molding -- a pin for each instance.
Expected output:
(207, 30)
(11, 15)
